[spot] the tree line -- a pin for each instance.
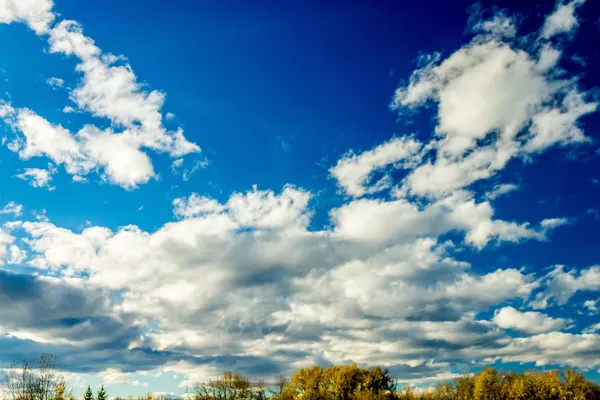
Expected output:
(349, 382)
(41, 381)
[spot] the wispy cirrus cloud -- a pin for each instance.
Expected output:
(38, 177)
(12, 208)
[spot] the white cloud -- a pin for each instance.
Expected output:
(108, 89)
(10, 225)
(592, 329)
(353, 172)
(560, 285)
(377, 220)
(12, 208)
(303, 292)
(118, 154)
(5, 241)
(67, 37)
(264, 209)
(559, 126)
(548, 58)
(52, 141)
(577, 350)
(330, 286)
(15, 255)
(124, 163)
(178, 168)
(113, 376)
(501, 25)
(445, 176)
(37, 177)
(257, 208)
(355, 276)
(528, 322)
(496, 100)
(176, 164)
(591, 306)
(501, 189)
(55, 82)
(10, 253)
(197, 165)
(41, 215)
(466, 87)
(169, 395)
(79, 179)
(562, 20)
(112, 91)
(551, 223)
(37, 14)
(195, 205)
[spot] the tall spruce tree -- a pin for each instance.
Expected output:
(88, 394)
(102, 394)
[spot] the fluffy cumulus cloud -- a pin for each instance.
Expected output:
(248, 282)
(591, 306)
(497, 98)
(108, 89)
(563, 20)
(528, 322)
(377, 220)
(296, 286)
(37, 14)
(353, 172)
(261, 209)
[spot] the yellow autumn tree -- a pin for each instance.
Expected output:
(486, 385)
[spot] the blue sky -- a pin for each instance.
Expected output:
(212, 185)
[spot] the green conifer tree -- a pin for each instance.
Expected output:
(88, 394)
(102, 394)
